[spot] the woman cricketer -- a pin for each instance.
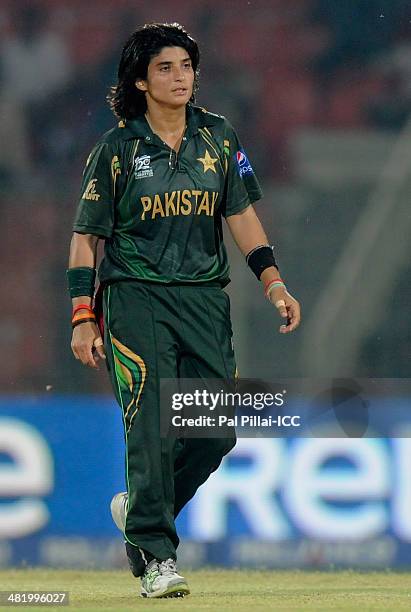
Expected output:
(156, 189)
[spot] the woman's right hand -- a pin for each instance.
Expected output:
(87, 344)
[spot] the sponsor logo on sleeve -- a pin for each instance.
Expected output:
(90, 192)
(142, 167)
(243, 165)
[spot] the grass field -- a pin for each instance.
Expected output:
(224, 590)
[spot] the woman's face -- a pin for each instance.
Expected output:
(170, 78)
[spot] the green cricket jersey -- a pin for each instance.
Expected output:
(161, 212)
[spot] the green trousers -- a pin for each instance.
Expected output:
(155, 331)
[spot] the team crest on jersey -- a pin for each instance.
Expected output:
(243, 165)
(142, 167)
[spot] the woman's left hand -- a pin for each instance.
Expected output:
(288, 307)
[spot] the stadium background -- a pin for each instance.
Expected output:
(320, 94)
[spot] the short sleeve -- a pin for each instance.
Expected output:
(242, 187)
(95, 212)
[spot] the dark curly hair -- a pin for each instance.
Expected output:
(125, 100)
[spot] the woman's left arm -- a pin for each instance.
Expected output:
(248, 233)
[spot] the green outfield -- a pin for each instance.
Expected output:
(225, 590)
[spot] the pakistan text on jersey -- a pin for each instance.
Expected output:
(185, 202)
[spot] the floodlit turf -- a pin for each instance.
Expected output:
(223, 591)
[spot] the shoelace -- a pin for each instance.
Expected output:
(168, 567)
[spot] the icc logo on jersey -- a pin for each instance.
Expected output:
(142, 167)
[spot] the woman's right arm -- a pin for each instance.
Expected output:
(83, 250)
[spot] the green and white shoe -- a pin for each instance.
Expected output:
(162, 580)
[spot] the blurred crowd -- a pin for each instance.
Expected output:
(271, 67)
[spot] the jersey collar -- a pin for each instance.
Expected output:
(197, 117)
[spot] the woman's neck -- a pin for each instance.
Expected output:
(168, 124)
(166, 121)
